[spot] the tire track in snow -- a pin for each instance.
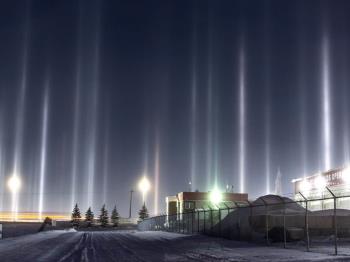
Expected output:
(83, 251)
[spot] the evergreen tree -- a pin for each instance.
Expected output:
(143, 213)
(76, 216)
(104, 216)
(89, 217)
(115, 217)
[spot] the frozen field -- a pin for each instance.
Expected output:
(143, 246)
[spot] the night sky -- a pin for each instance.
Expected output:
(94, 94)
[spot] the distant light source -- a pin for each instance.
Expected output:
(346, 175)
(215, 196)
(320, 182)
(144, 186)
(14, 183)
(305, 186)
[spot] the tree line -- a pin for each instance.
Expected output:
(103, 219)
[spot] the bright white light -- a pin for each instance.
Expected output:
(14, 184)
(305, 186)
(144, 186)
(215, 196)
(320, 182)
(326, 101)
(346, 175)
(242, 120)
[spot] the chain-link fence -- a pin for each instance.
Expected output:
(317, 224)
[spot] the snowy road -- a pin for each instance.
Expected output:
(142, 246)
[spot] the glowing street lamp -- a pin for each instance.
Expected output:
(215, 196)
(144, 187)
(14, 184)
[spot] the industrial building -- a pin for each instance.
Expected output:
(188, 201)
(315, 188)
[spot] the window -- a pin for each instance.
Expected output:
(189, 204)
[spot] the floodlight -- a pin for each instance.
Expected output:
(215, 196)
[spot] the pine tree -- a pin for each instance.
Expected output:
(76, 216)
(143, 213)
(104, 216)
(89, 217)
(115, 217)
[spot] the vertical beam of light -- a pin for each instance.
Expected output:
(76, 128)
(346, 149)
(302, 95)
(209, 146)
(242, 113)
(216, 144)
(267, 109)
(326, 106)
(93, 119)
(345, 108)
(193, 118)
(2, 162)
(105, 165)
(156, 175)
(45, 111)
(76, 118)
(209, 131)
(19, 118)
(145, 153)
(267, 147)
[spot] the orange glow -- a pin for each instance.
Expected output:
(33, 216)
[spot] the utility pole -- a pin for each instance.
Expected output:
(131, 191)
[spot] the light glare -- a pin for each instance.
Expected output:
(14, 184)
(144, 185)
(215, 196)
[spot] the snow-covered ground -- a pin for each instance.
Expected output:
(144, 246)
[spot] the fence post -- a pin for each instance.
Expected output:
(306, 223)
(204, 221)
(183, 223)
(251, 220)
(266, 220)
(335, 226)
(238, 220)
(284, 222)
(188, 223)
(211, 221)
(220, 233)
(198, 221)
(192, 220)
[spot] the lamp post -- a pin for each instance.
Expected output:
(131, 191)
